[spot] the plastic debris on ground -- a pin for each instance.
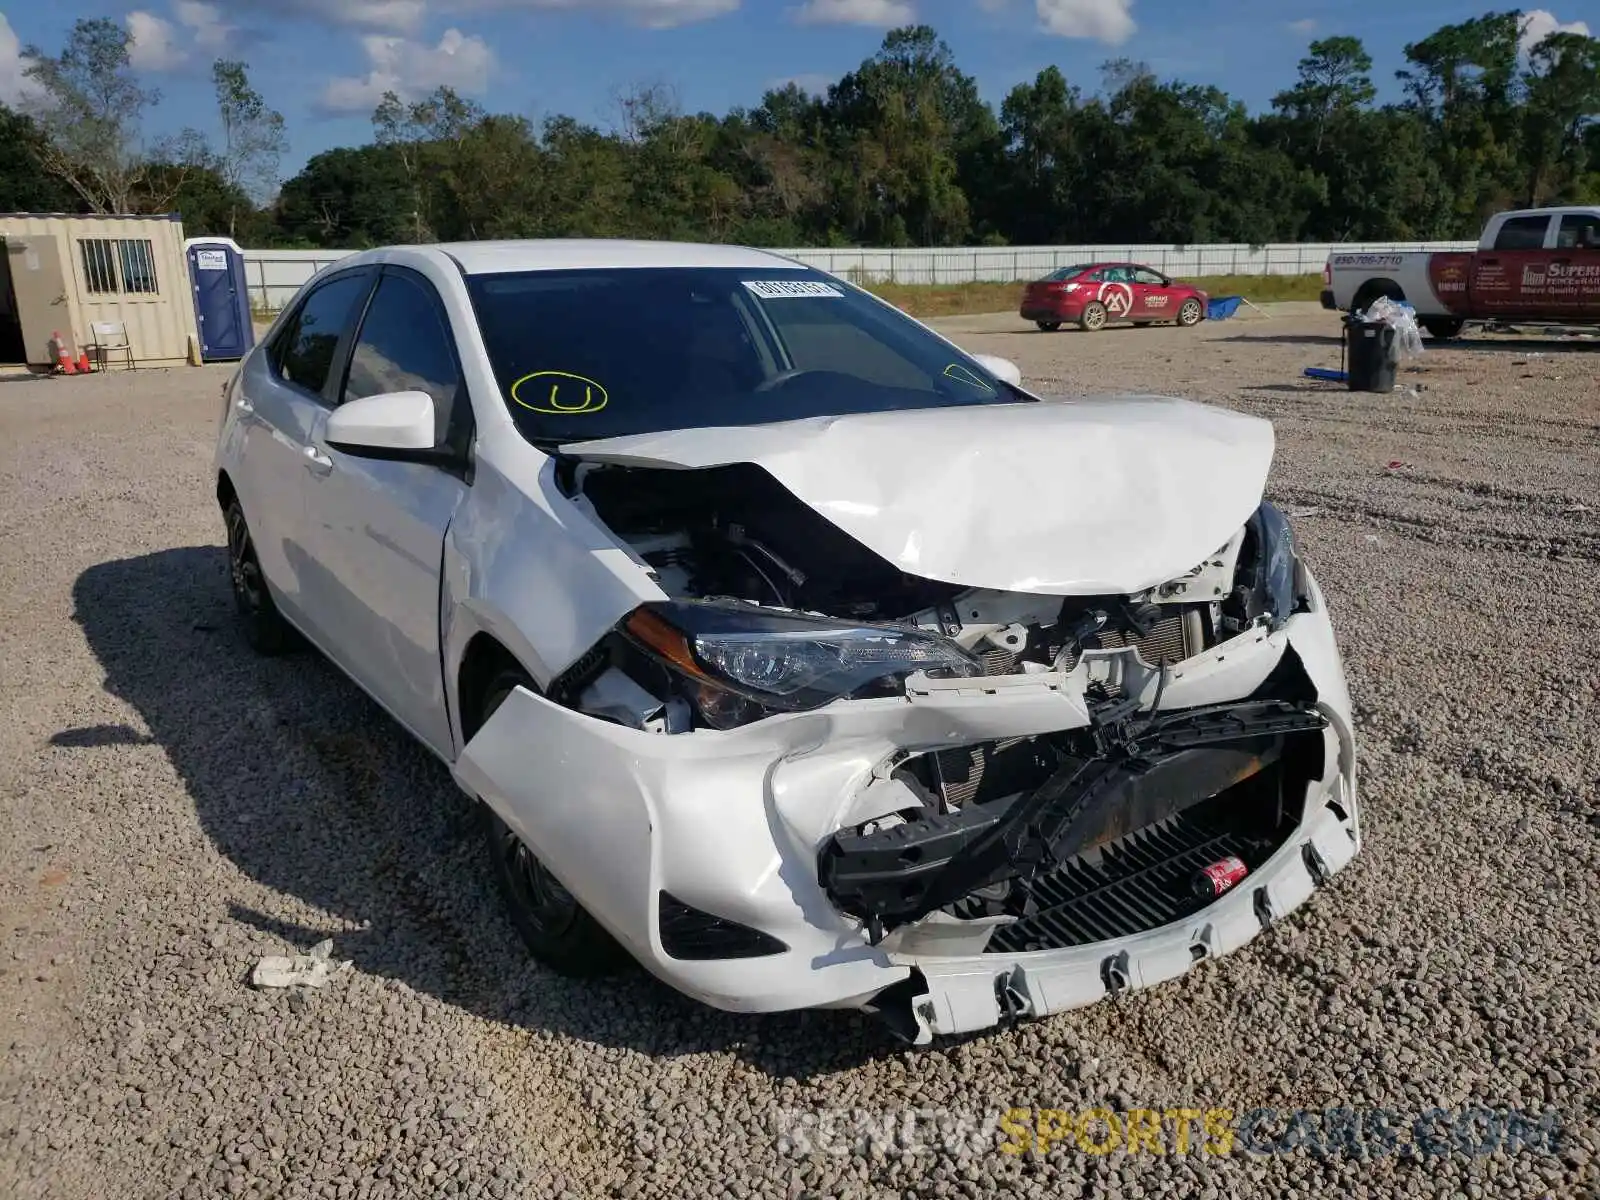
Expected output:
(1402, 318)
(310, 970)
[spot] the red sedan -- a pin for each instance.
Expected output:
(1096, 294)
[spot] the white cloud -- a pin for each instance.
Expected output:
(882, 13)
(153, 43)
(1109, 21)
(1303, 25)
(157, 44)
(411, 70)
(1540, 24)
(15, 86)
(389, 16)
(204, 21)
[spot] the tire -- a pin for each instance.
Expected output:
(265, 630)
(1048, 326)
(1374, 288)
(1190, 313)
(1442, 328)
(1093, 319)
(557, 930)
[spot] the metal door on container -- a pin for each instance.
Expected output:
(216, 302)
(41, 295)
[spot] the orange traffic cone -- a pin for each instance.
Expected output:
(63, 359)
(83, 363)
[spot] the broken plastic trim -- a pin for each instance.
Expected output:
(1143, 771)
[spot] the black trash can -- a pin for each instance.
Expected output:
(1371, 354)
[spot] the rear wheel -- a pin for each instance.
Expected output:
(1442, 328)
(1048, 326)
(265, 630)
(1189, 312)
(1094, 317)
(557, 930)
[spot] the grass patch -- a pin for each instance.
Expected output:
(957, 299)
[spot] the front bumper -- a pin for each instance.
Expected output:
(730, 823)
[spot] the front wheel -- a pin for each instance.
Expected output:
(1048, 326)
(1094, 317)
(265, 630)
(1189, 313)
(557, 930)
(1442, 328)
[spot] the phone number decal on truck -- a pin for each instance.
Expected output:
(1341, 261)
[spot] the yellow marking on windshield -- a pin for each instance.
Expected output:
(957, 371)
(569, 394)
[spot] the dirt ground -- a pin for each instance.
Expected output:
(172, 809)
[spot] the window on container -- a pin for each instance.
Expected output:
(99, 265)
(138, 266)
(119, 265)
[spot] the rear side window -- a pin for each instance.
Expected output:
(405, 347)
(304, 351)
(1579, 231)
(1522, 233)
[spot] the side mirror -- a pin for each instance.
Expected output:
(1000, 368)
(389, 421)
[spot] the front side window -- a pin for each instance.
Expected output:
(1522, 233)
(405, 347)
(303, 354)
(587, 354)
(1579, 231)
(1146, 276)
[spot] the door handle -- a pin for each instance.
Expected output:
(317, 462)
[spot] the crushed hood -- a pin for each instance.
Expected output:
(1096, 496)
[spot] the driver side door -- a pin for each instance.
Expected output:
(378, 522)
(1152, 296)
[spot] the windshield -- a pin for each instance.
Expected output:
(586, 354)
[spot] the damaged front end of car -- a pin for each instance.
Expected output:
(948, 715)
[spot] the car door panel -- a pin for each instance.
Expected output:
(377, 526)
(1152, 296)
(279, 417)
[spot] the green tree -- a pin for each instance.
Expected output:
(25, 184)
(253, 138)
(91, 111)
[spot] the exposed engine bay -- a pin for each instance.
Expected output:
(735, 533)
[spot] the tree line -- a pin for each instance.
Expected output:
(901, 151)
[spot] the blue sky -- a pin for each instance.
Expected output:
(324, 63)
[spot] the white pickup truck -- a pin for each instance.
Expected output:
(1534, 264)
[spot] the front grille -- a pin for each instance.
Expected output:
(1140, 882)
(688, 933)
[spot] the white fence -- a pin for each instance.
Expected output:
(275, 275)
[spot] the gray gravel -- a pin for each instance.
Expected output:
(172, 809)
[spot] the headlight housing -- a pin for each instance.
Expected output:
(741, 663)
(1267, 581)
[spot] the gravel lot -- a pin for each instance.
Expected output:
(172, 809)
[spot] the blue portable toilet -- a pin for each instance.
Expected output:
(221, 298)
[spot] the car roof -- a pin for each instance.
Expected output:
(556, 254)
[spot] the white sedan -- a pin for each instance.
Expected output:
(791, 650)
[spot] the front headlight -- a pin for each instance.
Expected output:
(1267, 578)
(741, 662)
